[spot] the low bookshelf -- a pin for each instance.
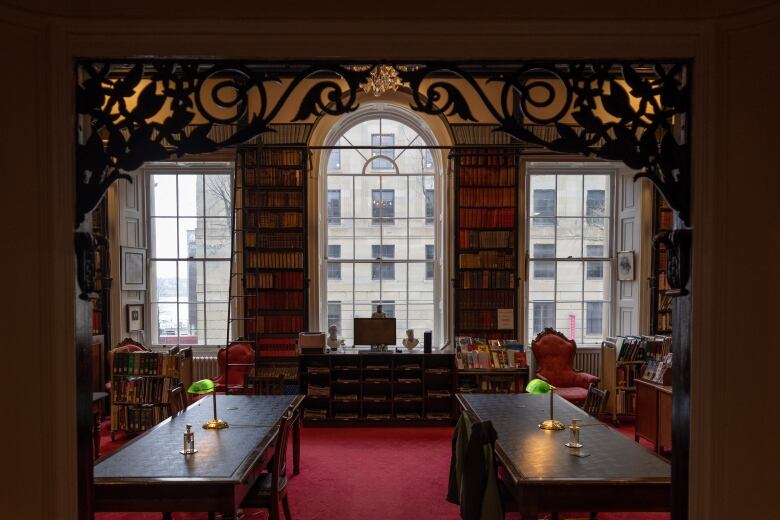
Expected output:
(377, 388)
(140, 382)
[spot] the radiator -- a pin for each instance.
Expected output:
(204, 367)
(588, 360)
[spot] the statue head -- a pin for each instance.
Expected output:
(410, 333)
(332, 330)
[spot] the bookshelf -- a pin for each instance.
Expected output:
(272, 184)
(486, 223)
(622, 364)
(139, 386)
(377, 388)
(660, 302)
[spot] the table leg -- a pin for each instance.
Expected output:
(296, 431)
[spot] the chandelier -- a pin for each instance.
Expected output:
(382, 78)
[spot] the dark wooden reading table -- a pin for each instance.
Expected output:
(149, 473)
(545, 476)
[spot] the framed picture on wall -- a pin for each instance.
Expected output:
(625, 265)
(135, 317)
(133, 269)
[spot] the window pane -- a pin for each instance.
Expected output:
(382, 140)
(217, 281)
(163, 277)
(219, 195)
(429, 206)
(191, 195)
(543, 270)
(164, 238)
(569, 196)
(334, 315)
(218, 232)
(543, 206)
(594, 269)
(334, 207)
(216, 323)
(163, 195)
(191, 238)
(594, 318)
(543, 316)
(569, 238)
(164, 320)
(334, 159)
(191, 281)
(382, 206)
(429, 265)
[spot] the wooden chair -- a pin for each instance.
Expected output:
(271, 487)
(177, 400)
(264, 385)
(596, 400)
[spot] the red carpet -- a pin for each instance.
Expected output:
(370, 474)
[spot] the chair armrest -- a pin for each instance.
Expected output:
(583, 379)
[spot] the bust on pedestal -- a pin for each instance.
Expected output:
(333, 342)
(410, 341)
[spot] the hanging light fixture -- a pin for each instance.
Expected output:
(382, 78)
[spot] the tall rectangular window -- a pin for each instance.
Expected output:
(594, 207)
(594, 325)
(190, 225)
(382, 140)
(595, 269)
(388, 307)
(334, 207)
(544, 270)
(429, 202)
(543, 207)
(569, 243)
(334, 315)
(334, 268)
(383, 270)
(429, 265)
(382, 206)
(544, 316)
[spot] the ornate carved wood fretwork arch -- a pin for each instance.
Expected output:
(140, 111)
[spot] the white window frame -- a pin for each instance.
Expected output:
(176, 169)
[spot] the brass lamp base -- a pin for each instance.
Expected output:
(551, 424)
(216, 424)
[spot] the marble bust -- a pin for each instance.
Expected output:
(410, 341)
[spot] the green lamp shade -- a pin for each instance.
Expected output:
(537, 386)
(204, 386)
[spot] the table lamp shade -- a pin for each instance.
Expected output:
(538, 386)
(204, 386)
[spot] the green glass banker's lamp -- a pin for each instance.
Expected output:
(538, 386)
(205, 386)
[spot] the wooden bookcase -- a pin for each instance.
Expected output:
(139, 386)
(486, 240)
(618, 376)
(660, 302)
(377, 388)
(272, 189)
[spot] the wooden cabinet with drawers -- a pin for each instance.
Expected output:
(654, 414)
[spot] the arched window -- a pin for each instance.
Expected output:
(380, 225)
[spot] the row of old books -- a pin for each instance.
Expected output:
(145, 363)
(273, 260)
(637, 348)
(276, 347)
(486, 299)
(479, 320)
(283, 240)
(478, 176)
(487, 157)
(140, 418)
(487, 218)
(273, 199)
(275, 300)
(486, 280)
(274, 324)
(273, 178)
(277, 157)
(283, 280)
(487, 197)
(274, 219)
(141, 389)
(475, 239)
(486, 260)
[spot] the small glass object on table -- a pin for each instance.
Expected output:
(574, 434)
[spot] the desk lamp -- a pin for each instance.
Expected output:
(537, 386)
(205, 386)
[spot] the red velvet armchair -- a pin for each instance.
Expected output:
(241, 357)
(554, 355)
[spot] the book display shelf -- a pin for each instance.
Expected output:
(660, 302)
(623, 362)
(272, 186)
(140, 382)
(486, 223)
(377, 388)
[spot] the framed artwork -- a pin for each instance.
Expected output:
(135, 317)
(133, 269)
(625, 265)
